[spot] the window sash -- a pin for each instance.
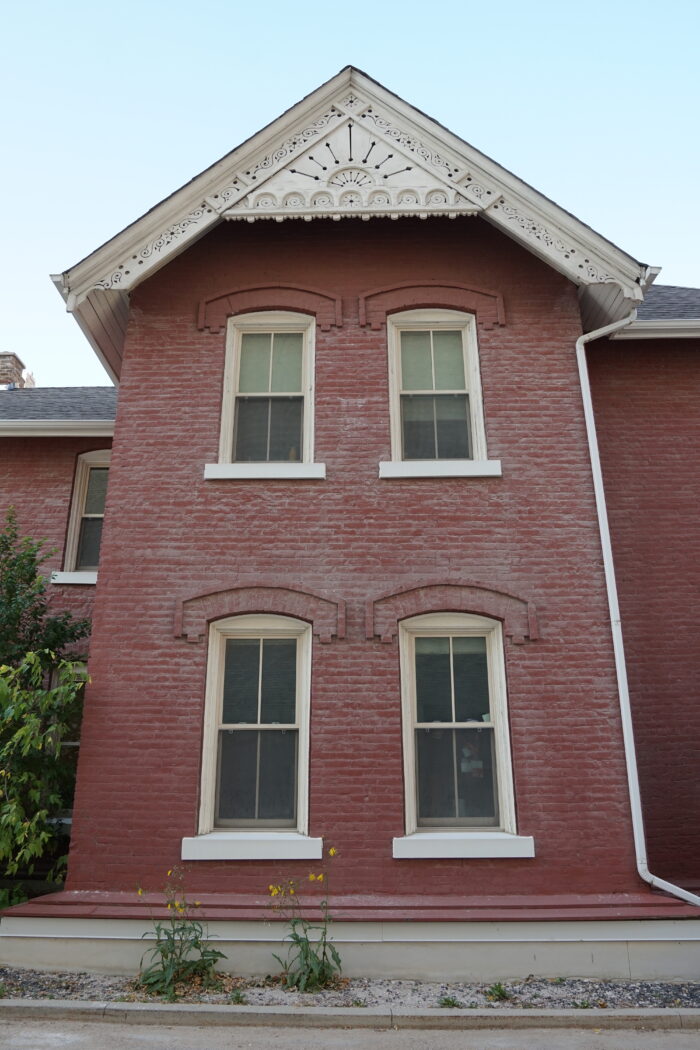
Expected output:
(263, 728)
(468, 708)
(267, 407)
(434, 367)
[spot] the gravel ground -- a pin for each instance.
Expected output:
(531, 993)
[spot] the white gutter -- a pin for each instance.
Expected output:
(616, 625)
(688, 328)
(56, 427)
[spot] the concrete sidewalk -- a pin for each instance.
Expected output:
(58, 1034)
(373, 1017)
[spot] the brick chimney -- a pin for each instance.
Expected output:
(12, 370)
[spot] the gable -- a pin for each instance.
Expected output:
(351, 149)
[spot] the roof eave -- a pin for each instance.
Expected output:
(56, 427)
(662, 328)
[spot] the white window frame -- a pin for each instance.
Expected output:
(70, 574)
(265, 843)
(268, 321)
(502, 841)
(430, 320)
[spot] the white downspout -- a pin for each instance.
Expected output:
(618, 644)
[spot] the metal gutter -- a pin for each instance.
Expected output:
(659, 328)
(57, 427)
(615, 621)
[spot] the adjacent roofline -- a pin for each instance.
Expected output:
(56, 427)
(684, 328)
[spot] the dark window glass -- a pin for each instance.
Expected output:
(257, 776)
(279, 680)
(433, 680)
(268, 429)
(435, 426)
(456, 777)
(241, 680)
(471, 679)
(96, 490)
(89, 543)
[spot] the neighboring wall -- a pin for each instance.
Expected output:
(647, 397)
(353, 537)
(36, 477)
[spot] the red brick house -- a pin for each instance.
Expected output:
(399, 446)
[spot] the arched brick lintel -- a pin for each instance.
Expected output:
(518, 615)
(194, 614)
(487, 305)
(213, 313)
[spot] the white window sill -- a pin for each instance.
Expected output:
(463, 844)
(282, 471)
(252, 845)
(74, 577)
(441, 468)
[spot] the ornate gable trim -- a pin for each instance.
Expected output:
(350, 149)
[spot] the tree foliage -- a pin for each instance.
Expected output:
(36, 782)
(40, 708)
(25, 622)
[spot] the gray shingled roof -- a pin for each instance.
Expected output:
(668, 302)
(59, 402)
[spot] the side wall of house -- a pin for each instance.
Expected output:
(37, 475)
(352, 538)
(646, 397)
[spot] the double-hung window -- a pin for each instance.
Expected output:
(267, 415)
(459, 785)
(437, 424)
(256, 741)
(84, 536)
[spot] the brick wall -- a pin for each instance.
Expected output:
(646, 402)
(36, 477)
(352, 537)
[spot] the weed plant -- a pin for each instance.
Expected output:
(312, 960)
(181, 950)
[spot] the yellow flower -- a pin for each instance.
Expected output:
(292, 892)
(197, 904)
(170, 872)
(140, 892)
(321, 877)
(332, 851)
(312, 877)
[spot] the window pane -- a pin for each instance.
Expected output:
(416, 368)
(452, 424)
(96, 490)
(471, 679)
(89, 543)
(279, 680)
(418, 427)
(254, 376)
(435, 765)
(241, 676)
(285, 428)
(456, 777)
(278, 775)
(250, 437)
(286, 362)
(237, 775)
(476, 776)
(449, 361)
(433, 680)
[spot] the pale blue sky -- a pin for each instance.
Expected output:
(106, 109)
